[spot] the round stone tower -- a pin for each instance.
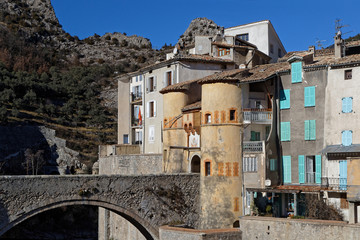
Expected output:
(221, 151)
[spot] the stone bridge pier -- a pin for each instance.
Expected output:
(148, 202)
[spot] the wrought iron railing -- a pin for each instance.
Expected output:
(254, 115)
(334, 183)
(135, 96)
(253, 146)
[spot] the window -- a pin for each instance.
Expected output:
(168, 78)
(285, 133)
(244, 36)
(346, 137)
(151, 109)
(223, 51)
(258, 105)
(287, 169)
(309, 169)
(250, 164)
(348, 74)
(273, 165)
(347, 104)
(151, 84)
(151, 133)
(279, 52)
(138, 137)
(271, 48)
(126, 139)
(208, 118)
(296, 72)
(207, 168)
(232, 115)
(255, 136)
(309, 96)
(310, 129)
(285, 99)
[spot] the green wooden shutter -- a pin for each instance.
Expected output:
(309, 96)
(253, 136)
(287, 169)
(307, 130)
(301, 169)
(318, 169)
(272, 164)
(285, 99)
(285, 131)
(312, 131)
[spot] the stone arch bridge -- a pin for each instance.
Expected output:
(148, 202)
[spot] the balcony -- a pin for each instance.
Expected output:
(332, 183)
(258, 116)
(135, 122)
(136, 97)
(254, 146)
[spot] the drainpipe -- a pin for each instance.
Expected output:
(277, 91)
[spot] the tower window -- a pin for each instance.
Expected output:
(207, 168)
(348, 74)
(232, 115)
(208, 118)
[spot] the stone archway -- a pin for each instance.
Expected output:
(195, 164)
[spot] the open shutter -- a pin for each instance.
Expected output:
(172, 78)
(307, 130)
(154, 83)
(148, 109)
(350, 101)
(312, 129)
(301, 169)
(154, 108)
(318, 169)
(344, 105)
(164, 80)
(147, 84)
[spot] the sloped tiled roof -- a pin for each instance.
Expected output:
(192, 106)
(181, 86)
(263, 72)
(230, 75)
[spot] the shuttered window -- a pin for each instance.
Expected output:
(151, 109)
(273, 165)
(318, 169)
(285, 99)
(347, 104)
(296, 72)
(346, 137)
(310, 130)
(285, 133)
(287, 169)
(255, 136)
(309, 96)
(250, 164)
(301, 169)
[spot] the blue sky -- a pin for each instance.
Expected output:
(299, 24)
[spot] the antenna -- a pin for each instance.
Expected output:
(339, 25)
(319, 43)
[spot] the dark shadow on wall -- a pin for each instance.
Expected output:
(4, 217)
(24, 150)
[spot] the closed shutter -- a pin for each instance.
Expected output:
(296, 72)
(309, 96)
(273, 166)
(285, 99)
(318, 169)
(287, 169)
(346, 138)
(301, 169)
(343, 175)
(312, 131)
(347, 105)
(285, 131)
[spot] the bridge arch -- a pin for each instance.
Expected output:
(148, 231)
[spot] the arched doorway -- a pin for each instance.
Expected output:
(195, 164)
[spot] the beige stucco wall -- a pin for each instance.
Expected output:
(123, 110)
(221, 144)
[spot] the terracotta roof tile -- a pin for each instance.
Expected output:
(192, 106)
(181, 86)
(229, 75)
(262, 72)
(352, 43)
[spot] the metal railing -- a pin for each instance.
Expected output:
(253, 146)
(334, 183)
(135, 96)
(135, 122)
(254, 115)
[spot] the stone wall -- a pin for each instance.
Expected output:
(136, 164)
(283, 229)
(169, 233)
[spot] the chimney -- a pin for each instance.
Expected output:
(312, 50)
(338, 45)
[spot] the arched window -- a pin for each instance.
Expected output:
(195, 164)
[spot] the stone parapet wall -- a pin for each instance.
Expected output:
(170, 233)
(136, 164)
(284, 229)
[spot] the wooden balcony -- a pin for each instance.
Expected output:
(257, 116)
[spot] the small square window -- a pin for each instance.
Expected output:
(207, 118)
(348, 74)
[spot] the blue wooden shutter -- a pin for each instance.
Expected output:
(312, 130)
(307, 130)
(272, 164)
(285, 133)
(346, 138)
(347, 104)
(301, 169)
(285, 99)
(287, 169)
(318, 169)
(296, 72)
(309, 96)
(343, 175)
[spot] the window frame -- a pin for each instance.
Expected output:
(207, 168)
(348, 74)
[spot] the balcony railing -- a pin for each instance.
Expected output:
(254, 115)
(136, 96)
(135, 122)
(253, 146)
(334, 183)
